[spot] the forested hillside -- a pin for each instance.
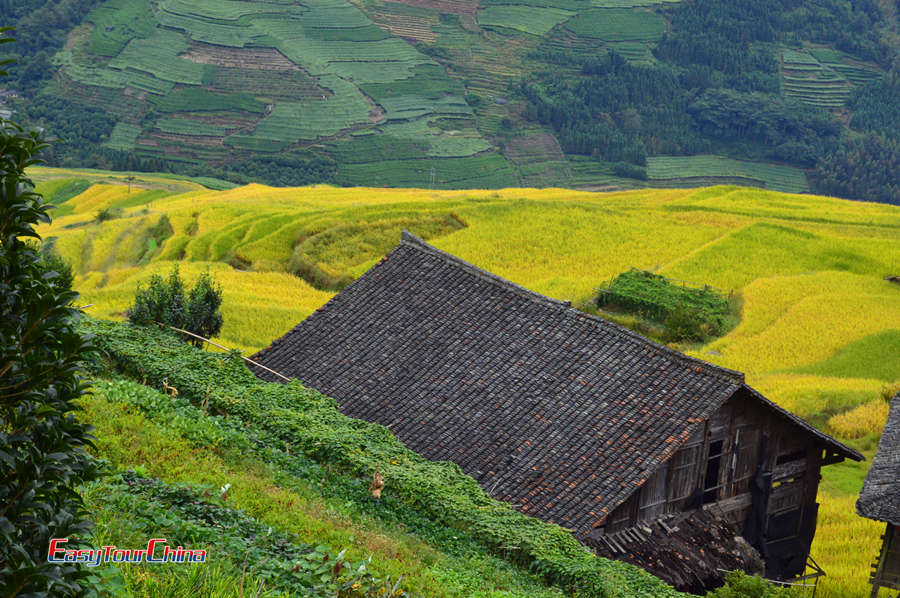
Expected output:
(785, 94)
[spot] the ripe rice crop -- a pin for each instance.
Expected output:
(868, 418)
(816, 311)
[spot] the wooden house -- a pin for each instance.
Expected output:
(880, 500)
(568, 417)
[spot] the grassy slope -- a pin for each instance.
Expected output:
(809, 270)
(161, 444)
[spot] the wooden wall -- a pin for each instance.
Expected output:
(742, 442)
(887, 568)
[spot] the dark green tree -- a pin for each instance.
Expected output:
(165, 301)
(42, 456)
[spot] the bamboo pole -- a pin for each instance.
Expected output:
(247, 359)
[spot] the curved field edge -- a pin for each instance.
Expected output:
(311, 425)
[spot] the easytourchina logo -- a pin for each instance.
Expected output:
(157, 551)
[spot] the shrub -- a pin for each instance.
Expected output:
(164, 302)
(684, 323)
(688, 313)
(740, 585)
(42, 457)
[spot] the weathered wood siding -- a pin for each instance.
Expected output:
(740, 446)
(886, 572)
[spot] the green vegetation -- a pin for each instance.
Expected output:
(708, 170)
(296, 425)
(618, 24)
(116, 22)
(855, 360)
(741, 585)
(487, 171)
(168, 303)
(529, 19)
(42, 456)
(687, 313)
(189, 516)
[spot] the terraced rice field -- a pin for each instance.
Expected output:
(225, 77)
(804, 78)
(540, 160)
(528, 19)
(618, 25)
(816, 322)
(823, 77)
(709, 169)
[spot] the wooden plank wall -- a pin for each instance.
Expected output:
(716, 467)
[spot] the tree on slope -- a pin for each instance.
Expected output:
(165, 301)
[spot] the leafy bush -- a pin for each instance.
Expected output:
(687, 313)
(165, 302)
(684, 323)
(740, 585)
(304, 422)
(42, 456)
(199, 516)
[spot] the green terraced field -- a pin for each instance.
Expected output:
(491, 171)
(805, 79)
(116, 22)
(123, 137)
(265, 76)
(617, 24)
(184, 126)
(708, 168)
(822, 77)
(158, 55)
(193, 99)
(529, 19)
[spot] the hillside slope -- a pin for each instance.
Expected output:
(817, 318)
(454, 94)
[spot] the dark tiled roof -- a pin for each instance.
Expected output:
(551, 409)
(880, 496)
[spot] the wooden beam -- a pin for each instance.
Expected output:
(831, 458)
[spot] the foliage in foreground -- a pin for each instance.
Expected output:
(301, 421)
(41, 444)
(199, 517)
(740, 585)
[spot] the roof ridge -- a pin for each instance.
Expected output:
(411, 240)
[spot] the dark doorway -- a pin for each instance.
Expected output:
(711, 481)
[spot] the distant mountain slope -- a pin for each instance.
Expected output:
(455, 94)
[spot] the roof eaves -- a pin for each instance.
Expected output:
(833, 443)
(879, 498)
